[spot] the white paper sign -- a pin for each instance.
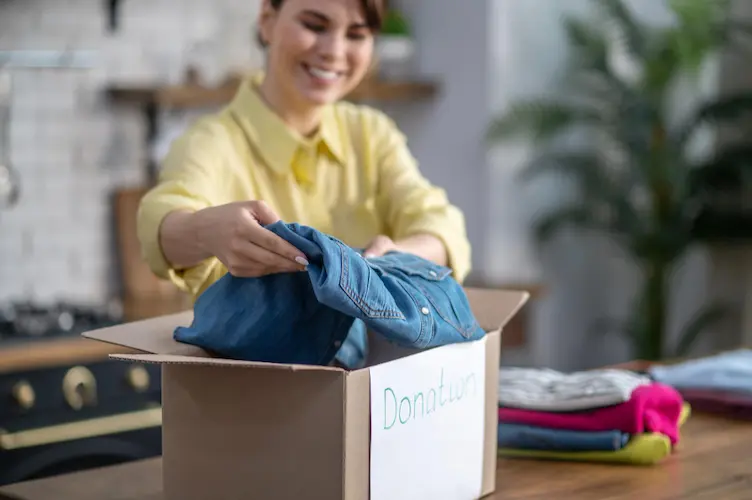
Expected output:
(427, 422)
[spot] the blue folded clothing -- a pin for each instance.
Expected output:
(729, 371)
(305, 317)
(527, 437)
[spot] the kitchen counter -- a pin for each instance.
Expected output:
(713, 462)
(37, 354)
(21, 354)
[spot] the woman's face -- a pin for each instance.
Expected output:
(318, 50)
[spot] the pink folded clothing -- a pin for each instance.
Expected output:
(652, 408)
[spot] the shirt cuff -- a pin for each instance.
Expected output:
(151, 214)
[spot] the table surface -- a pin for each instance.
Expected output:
(713, 461)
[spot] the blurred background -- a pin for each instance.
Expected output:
(656, 262)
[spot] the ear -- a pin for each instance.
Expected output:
(266, 17)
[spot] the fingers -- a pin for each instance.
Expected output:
(273, 243)
(250, 230)
(379, 246)
(250, 260)
(263, 214)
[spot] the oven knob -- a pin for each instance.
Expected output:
(24, 394)
(138, 378)
(80, 387)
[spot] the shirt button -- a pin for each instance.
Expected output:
(432, 273)
(425, 310)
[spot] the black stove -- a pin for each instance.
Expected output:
(26, 321)
(75, 414)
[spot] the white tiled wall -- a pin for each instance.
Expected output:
(71, 148)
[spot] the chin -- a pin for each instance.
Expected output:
(320, 95)
(320, 98)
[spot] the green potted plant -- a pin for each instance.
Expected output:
(395, 47)
(638, 180)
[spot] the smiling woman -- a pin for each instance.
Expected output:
(288, 147)
(317, 51)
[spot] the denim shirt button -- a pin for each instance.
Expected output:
(433, 273)
(424, 310)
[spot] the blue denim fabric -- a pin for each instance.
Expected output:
(309, 317)
(528, 437)
(354, 351)
(728, 371)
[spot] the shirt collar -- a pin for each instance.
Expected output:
(271, 136)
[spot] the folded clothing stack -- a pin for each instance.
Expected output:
(715, 384)
(599, 416)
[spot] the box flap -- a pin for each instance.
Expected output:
(493, 308)
(171, 359)
(152, 335)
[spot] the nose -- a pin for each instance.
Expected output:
(332, 46)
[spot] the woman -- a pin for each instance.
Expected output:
(287, 148)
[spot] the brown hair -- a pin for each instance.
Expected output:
(373, 9)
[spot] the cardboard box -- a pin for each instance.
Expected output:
(235, 429)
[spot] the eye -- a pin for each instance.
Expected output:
(314, 26)
(357, 35)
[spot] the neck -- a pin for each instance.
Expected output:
(303, 119)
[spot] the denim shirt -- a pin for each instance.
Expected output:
(314, 316)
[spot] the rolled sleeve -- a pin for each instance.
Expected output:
(411, 205)
(189, 180)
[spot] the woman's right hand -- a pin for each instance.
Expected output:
(234, 233)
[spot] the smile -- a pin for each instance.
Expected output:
(323, 74)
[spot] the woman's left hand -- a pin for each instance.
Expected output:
(380, 245)
(426, 246)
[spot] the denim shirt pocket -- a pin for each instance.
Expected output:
(435, 284)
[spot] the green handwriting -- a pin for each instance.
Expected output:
(423, 403)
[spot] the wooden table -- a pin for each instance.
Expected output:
(713, 462)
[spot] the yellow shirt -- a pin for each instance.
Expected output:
(354, 179)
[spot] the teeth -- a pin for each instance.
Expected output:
(322, 73)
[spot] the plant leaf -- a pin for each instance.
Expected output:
(589, 74)
(663, 60)
(703, 320)
(628, 29)
(698, 12)
(586, 167)
(540, 119)
(715, 112)
(576, 215)
(732, 36)
(702, 28)
(700, 19)
(729, 169)
(588, 43)
(605, 191)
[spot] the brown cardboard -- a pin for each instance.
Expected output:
(232, 429)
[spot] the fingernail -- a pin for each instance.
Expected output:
(301, 260)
